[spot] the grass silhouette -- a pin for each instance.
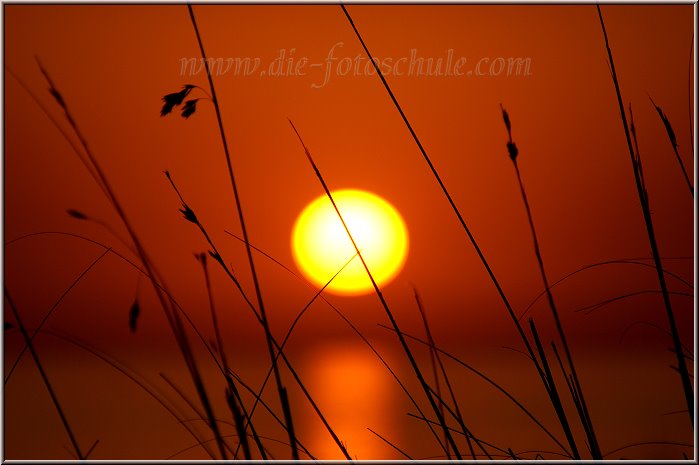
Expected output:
(645, 207)
(444, 417)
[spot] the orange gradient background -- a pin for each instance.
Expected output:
(114, 63)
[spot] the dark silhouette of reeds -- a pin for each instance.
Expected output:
(51, 310)
(513, 152)
(492, 383)
(384, 304)
(354, 329)
(166, 304)
(466, 229)
(190, 216)
(437, 360)
(242, 419)
(648, 220)
(232, 395)
(281, 390)
(673, 141)
(44, 376)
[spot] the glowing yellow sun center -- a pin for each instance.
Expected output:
(322, 247)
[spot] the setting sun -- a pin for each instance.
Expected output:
(321, 246)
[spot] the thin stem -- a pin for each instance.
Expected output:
(356, 331)
(436, 359)
(492, 383)
(44, 377)
(265, 324)
(384, 304)
(220, 261)
(171, 314)
(645, 207)
(596, 452)
(232, 395)
(396, 448)
(671, 137)
(443, 187)
(51, 310)
(554, 392)
(626, 261)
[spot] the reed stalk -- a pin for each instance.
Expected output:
(384, 304)
(648, 220)
(263, 314)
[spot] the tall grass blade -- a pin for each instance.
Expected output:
(44, 377)
(396, 448)
(673, 141)
(231, 394)
(437, 360)
(263, 314)
(645, 207)
(171, 314)
(553, 393)
(51, 310)
(352, 326)
(492, 383)
(447, 195)
(276, 345)
(403, 343)
(513, 153)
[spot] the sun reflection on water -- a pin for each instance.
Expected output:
(355, 392)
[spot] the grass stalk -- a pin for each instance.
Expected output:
(232, 395)
(553, 392)
(396, 448)
(159, 397)
(263, 315)
(354, 328)
(575, 394)
(190, 216)
(44, 376)
(645, 207)
(673, 142)
(384, 304)
(449, 198)
(51, 310)
(171, 314)
(492, 383)
(513, 152)
(626, 261)
(437, 360)
(433, 359)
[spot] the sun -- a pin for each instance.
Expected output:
(322, 248)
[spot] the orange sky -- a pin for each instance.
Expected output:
(113, 64)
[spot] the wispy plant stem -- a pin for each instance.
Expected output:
(437, 360)
(446, 193)
(404, 344)
(51, 310)
(167, 305)
(232, 395)
(492, 383)
(594, 446)
(263, 315)
(220, 261)
(645, 207)
(357, 332)
(553, 391)
(673, 142)
(44, 377)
